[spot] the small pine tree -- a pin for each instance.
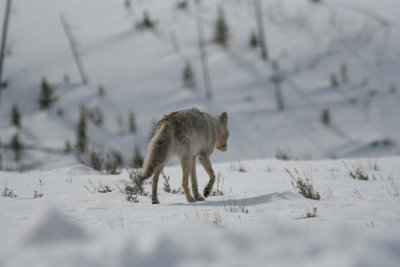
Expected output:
(101, 91)
(188, 77)
(137, 159)
(67, 147)
(334, 80)
(132, 122)
(16, 147)
(15, 117)
(127, 5)
(146, 23)
(81, 132)
(221, 34)
(253, 41)
(326, 117)
(182, 5)
(47, 97)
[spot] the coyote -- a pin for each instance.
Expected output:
(187, 134)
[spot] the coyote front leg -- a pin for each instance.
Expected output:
(205, 161)
(193, 177)
(186, 163)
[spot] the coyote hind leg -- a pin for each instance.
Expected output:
(193, 177)
(154, 184)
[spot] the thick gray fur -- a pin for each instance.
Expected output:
(187, 134)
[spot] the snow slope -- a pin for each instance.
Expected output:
(259, 221)
(141, 71)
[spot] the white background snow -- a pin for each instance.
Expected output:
(357, 223)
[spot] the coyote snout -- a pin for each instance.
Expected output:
(188, 134)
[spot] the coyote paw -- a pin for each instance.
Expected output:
(199, 198)
(155, 202)
(206, 192)
(190, 199)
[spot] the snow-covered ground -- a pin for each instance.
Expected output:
(259, 221)
(141, 72)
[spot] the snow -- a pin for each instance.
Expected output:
(357, 222)
(260, 219)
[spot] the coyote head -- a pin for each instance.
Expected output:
(223, 138)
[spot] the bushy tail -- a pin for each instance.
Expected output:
(158, 152)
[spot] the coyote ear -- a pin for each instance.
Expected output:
(223, 118)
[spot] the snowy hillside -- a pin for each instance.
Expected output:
(260, 220)
(356, 42)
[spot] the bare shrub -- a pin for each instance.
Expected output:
(233, 205)
(311, 214)
(283, 154)
(357, 172)
(95, 160)
(113, 161)
(303, 185)
(373, 165)
(167, 187)
(7, 192)
(36, 194)
(136, 187)
(100, 188)
(393, 188)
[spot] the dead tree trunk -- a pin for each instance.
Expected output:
(261, 31)
(74, 49)
(3, 44)
(203, 54)
(277, 78)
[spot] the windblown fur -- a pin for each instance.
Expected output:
(187, 134)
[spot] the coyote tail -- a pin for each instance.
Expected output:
(158, 151)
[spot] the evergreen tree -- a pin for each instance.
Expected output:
(16, 147)
(253, 41)
(47, 97)
(101, 91)
(334, 80)
(137, 159)
(132, 122)
(188, 77)
(127, 5)
(147, 22)
(221, 35)
(67, 148)
(81, 132)
(326, 117)
(15, 117)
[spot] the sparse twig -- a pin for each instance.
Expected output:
(304, 186)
